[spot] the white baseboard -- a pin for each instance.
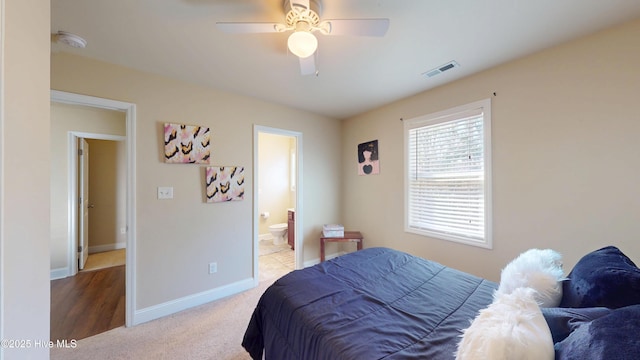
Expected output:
(317, 260)
(108, 247)
(174, 306)
(59, 273)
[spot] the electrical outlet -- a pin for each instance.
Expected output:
(123, 230)
(213, 267)
(165, 192)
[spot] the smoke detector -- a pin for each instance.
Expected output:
(72, 40)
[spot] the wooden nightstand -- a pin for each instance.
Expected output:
(349, 236)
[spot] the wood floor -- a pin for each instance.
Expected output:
(87, 304)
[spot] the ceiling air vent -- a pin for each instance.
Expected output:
(440, 69)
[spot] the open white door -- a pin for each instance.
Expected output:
(83, 221)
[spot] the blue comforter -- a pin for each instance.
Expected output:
(375, 303)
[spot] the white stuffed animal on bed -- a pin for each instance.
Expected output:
(511, 328)
(538, 269)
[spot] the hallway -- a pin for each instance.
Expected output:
(87, 304)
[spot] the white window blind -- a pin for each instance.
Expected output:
(446, 179)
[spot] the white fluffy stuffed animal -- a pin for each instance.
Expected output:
(538, 269)
(511, 328)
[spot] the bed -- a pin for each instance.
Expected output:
(371, 304)
(380, 303)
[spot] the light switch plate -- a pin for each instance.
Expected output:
(165, 192)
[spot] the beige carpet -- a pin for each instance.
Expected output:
(210, 331)
(101, 260)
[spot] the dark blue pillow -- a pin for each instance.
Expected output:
(562, 321)
(610, 337)
(605, 277)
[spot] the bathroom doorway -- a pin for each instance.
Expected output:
(277, 205)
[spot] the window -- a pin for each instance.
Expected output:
(448, 174)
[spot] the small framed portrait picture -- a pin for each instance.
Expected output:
(368, 163)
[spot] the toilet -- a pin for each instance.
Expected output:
(279, 232)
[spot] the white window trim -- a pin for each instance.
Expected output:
(441, 116)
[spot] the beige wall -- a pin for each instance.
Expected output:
(65, 119)
(177, 239)
(274, 186)
(107, 194)
(24, 201)
(565, 156)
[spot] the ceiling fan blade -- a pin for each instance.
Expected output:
(247, 27)
(358, 27)
(308, 65)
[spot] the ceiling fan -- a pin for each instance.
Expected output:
(303, 18)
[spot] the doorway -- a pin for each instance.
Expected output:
(102, 187)
(291, 156)
(71, 267)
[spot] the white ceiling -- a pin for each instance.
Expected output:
(179, 39)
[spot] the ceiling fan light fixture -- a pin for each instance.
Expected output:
(302, 44)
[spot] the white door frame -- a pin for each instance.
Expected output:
(1, 175)
(299, 237)
(130, 110)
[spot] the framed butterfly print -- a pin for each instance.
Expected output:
(224, 183)
(186, 144)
